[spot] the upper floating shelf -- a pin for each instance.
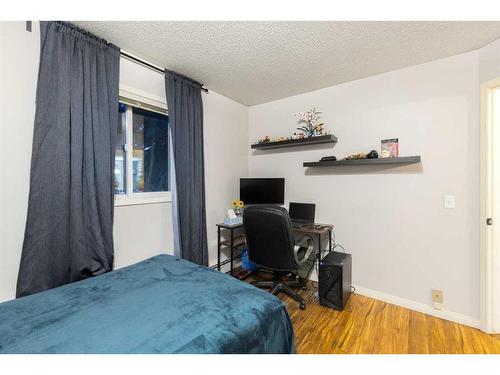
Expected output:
(340, 163)
(296, 142)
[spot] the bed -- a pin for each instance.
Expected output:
(160, 305)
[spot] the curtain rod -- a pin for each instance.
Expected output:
(149, 65)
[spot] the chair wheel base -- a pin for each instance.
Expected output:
(277, 286)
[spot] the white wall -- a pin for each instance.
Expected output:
(226, 159)
(140, 231)
(392, 220)
(18, 75)
(489, 62)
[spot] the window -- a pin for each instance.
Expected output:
(141, 154)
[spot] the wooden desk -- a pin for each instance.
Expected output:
(235, 241)
(314, 229)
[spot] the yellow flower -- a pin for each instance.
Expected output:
(240, 204)
(235, 203)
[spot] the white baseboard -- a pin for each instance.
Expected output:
(417, 306)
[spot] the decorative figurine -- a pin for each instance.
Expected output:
(329, 158)
(372, 155)
(361, 155)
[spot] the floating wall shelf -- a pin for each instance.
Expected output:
(296, 142)
(341, 163)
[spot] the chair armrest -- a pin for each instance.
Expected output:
(306, 246)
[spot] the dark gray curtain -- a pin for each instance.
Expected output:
(69, 226)
(185, 111)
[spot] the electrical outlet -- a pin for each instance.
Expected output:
(437, 298)
(437, 295)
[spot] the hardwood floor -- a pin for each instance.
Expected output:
(371, 326)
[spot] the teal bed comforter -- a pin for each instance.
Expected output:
(160, 305)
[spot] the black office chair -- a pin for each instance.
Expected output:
(271, 245)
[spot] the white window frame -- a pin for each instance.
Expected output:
(140, 99)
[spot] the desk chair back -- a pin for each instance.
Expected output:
(269, 237)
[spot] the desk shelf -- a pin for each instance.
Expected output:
(234, 242)
(355, 162)
(237, 241)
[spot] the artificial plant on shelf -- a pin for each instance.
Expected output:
(312, 127)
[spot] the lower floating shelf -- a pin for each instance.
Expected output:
(379, 161)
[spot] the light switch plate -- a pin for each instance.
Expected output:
(449, 201)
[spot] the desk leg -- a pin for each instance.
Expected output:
(330, 240)
(319, 247)
(218, 248)
(319, 255)
(232, 244)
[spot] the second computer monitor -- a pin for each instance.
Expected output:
(302, 212)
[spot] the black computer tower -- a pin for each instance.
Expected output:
(335, 280)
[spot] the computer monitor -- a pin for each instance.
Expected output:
(262, 190)
(302, 212)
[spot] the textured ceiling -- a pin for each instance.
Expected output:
(257, 62)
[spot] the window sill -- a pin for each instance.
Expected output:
(142, 198)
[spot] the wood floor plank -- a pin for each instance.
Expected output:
(369, 326)
(392, 336)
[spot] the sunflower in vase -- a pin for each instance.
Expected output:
(238, 207)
